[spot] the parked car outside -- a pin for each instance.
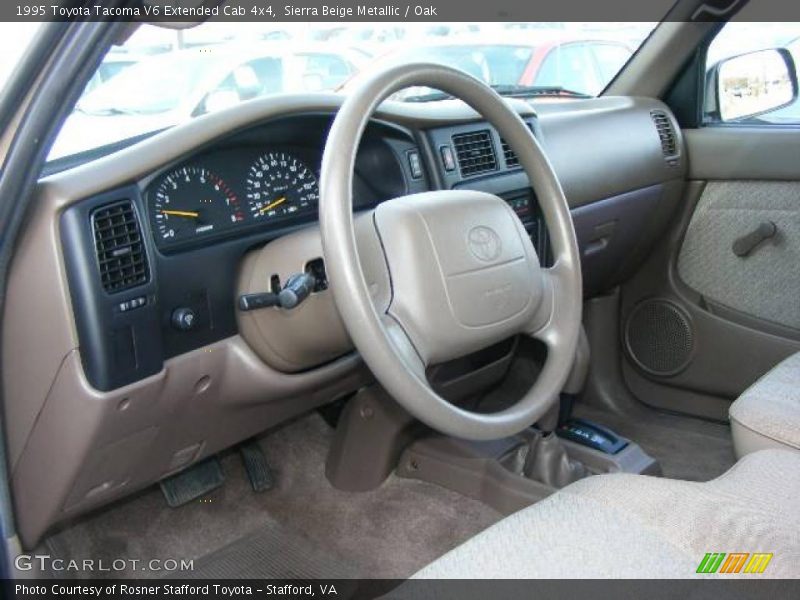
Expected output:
(585, 66)
(112, 65)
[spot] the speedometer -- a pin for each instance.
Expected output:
(193, 201)
(278, 185)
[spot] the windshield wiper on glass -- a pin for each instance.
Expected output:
(529, 91)
(431, 97)
(511, 90)
(106, 111)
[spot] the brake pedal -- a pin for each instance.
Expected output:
(257, 467)
(192, 483)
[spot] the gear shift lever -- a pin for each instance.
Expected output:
(544, 458)
(547, 462)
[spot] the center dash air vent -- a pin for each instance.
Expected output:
(475, 152)
(509, 155)
(120, 249)
(666, 134)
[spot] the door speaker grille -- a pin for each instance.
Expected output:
(659, 337)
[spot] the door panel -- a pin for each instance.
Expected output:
(743, 153)
(736, 316)
(765, 283)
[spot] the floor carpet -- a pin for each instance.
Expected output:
(389, 532)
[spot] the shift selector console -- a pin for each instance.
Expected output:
(592, 435)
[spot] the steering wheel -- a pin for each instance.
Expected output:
(461, 271)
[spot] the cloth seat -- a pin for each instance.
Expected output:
(635, 526)
(767, 414)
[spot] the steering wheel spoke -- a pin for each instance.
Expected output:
(405, 348)
(547, 324)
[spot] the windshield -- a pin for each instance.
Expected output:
(154, 85)
(160, 77)
(491, 63)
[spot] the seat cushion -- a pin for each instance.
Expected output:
(636, 526)
(767, 414)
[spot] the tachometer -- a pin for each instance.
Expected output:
(278, 184)
(193, 201)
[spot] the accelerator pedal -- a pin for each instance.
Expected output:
(257, 467)
(192, 483)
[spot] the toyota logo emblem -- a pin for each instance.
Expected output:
(484, 243)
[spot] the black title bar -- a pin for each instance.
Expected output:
(404, 11)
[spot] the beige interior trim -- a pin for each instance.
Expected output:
(90, 447)
(747, 440)
(743, 153)
(297, 339)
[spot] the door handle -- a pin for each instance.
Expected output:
(747, 243)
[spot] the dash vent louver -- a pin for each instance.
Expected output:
(120, 250)
(475, 152)
(666, 134)
(508, 154)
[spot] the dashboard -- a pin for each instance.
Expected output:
(188, 224)
(107, 394)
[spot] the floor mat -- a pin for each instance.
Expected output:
(687, 448)
(389, 532)
(273, 552)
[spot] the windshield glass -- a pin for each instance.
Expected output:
(160, 77)
(154, 85)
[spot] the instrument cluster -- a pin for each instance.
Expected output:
(214, 194)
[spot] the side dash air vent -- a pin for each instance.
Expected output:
(119, 246)
(666, 134)
(475, 152)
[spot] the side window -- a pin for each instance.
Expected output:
(570, 66)
(751, 75)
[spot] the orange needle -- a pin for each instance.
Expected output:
(272, 205)
(181, 213)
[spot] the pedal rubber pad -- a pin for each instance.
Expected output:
(192, 483)
(257, 467)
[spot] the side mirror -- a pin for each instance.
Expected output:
(753, 84)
